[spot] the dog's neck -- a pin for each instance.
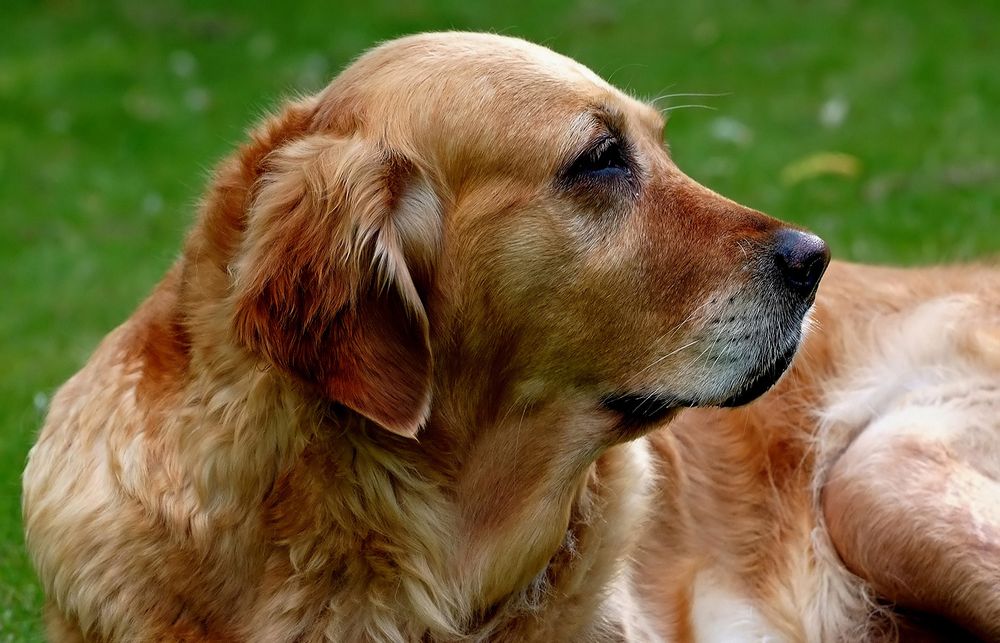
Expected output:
(460, 532)
(545, 515)
(530, 496)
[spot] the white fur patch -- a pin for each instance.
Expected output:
(720, 614)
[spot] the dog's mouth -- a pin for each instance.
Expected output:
(642, 409)
(763, 380)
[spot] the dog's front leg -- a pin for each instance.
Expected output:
(915, 510)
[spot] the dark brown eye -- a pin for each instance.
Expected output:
(606, 159)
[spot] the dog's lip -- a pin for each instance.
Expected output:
(642, 407)
(764, 380)
(645, 407)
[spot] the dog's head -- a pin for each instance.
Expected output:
(469, 210)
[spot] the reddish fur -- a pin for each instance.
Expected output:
(303, 304)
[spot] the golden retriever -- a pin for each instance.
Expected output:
(403, 381)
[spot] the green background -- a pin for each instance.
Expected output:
(112, 114)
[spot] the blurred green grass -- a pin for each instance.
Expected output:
(112, 113)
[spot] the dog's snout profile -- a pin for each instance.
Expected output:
(801, 258)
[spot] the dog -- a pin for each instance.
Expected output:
(425, 370)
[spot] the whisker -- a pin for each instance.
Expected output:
(676, 328)
(625, 66)
(695, 312)
(647, 398)
(715, 342)
(739, 243)
(663, 357)
(673, 107)
(654, 101)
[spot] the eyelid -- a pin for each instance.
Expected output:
(603, 136)
(596, 150)
(601, 145)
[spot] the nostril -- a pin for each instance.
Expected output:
(801, 258)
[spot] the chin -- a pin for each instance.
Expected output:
(762, 381)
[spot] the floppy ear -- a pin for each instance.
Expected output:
(322, 290)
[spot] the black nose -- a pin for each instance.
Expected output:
(801, 258)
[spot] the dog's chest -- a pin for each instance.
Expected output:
(720, 613)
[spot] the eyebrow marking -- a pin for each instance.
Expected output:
(610, 117)
(590, 124)
(596, 126)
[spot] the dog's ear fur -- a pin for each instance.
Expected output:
(321, 286)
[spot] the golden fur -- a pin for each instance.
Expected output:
(888, 419)
(370, 400)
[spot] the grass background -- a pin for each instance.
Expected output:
(111, 114)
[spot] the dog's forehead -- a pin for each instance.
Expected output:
(471, 95)
(473, 55)
(477, 73)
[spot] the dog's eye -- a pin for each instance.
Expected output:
(605, 159)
